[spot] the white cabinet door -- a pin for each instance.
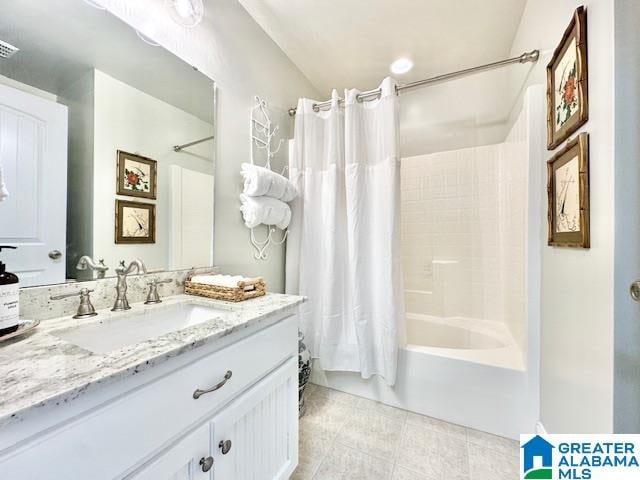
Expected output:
(33, 154)
(187, 460)
(256, 437)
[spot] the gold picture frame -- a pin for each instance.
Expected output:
(568, 195)
(567, 83)
(137, 176)
(135, 222)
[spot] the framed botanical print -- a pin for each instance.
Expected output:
(567, 92)
(135, 222)
(137, 175)
(568, 190)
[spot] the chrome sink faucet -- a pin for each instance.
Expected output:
(121, 302)
(87, 262)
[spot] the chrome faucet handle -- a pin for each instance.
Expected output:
(85, 309)
(154, 296)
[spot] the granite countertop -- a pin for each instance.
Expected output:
(40, 369)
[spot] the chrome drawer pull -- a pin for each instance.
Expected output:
(198, 393)
(206, 463)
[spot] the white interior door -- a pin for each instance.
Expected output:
(256, 437)
(627, 221)
(33, 154)
(191, 218)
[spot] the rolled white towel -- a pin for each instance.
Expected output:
(265, 210)
(260, 181)
(219, 280)
(4, 193)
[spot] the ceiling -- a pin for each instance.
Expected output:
(77, 38)
(350, 44)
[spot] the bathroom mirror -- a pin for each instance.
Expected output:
(92, 114)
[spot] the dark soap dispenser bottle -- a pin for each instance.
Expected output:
(9, 299)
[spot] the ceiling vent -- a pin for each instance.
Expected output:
(7, 50)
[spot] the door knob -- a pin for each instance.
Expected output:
(55, 254)
(206, 463)
(634, 290)
(225, 446)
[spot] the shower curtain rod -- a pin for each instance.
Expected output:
(527, 57)
(179, 148)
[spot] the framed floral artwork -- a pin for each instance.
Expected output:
(567, 92)
(568, 191)
(137, 175)
(135, 222)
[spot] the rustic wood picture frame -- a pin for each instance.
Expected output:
(122, 176)
(579, 147)
(576, 86)
(120, 237)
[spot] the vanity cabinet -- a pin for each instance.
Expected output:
(252, 438)
(244, 419)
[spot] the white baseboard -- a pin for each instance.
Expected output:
(540, 430)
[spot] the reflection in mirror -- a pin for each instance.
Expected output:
(106, 147)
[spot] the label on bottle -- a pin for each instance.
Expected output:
(9, 305)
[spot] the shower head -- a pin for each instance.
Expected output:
(7, 50)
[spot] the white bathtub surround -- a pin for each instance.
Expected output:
(343, 250)
(464, 227)
(345, 436)
(260, 181)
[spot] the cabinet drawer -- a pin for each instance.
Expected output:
(115, 438)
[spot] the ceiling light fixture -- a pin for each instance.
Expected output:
(401, 65)
(187, 13)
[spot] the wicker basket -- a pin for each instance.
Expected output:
(251, 288)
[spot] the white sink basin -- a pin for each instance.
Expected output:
(132, 328)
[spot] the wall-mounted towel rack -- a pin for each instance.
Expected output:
(263, 134)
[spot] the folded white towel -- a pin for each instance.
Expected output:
(265, 210)
(260, 181)
(4, 193)
(219, 280)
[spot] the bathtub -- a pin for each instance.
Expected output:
(466, 371)
(475, 340)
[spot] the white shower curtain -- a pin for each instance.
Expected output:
(343, 249)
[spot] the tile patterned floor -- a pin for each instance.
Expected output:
(347, 437)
